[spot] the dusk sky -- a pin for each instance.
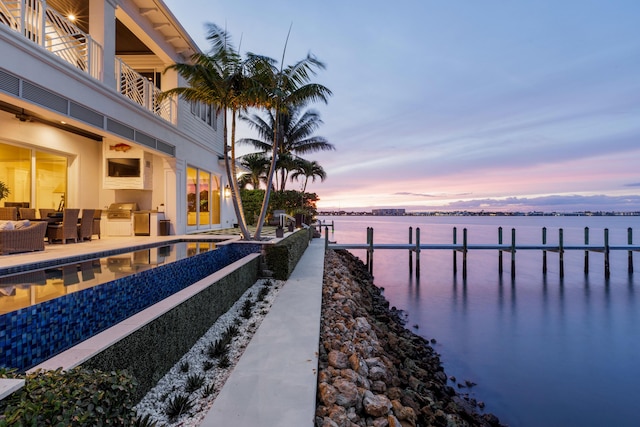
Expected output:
(460, 105)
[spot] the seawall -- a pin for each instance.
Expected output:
(372, 370)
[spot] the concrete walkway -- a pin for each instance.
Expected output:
(274, 383)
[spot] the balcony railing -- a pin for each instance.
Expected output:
(142, 91)
(51, 30)
(47, 28)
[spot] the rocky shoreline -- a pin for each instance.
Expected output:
(372, 370)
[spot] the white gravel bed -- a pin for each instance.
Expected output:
(157, 400)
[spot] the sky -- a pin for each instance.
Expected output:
(495, 105)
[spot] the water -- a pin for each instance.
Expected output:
(544, 351)
(22, 290)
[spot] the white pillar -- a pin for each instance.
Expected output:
(102, 27)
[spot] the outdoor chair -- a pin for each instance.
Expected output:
(67, 229)
(85, 227)
(44, 213)
(10, 213)
(27, 213)
(97, 216)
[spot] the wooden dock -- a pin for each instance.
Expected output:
(415, 247)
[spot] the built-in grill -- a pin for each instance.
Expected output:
(121, 210)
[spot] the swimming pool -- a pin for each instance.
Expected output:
(63, 277)
(32, 334)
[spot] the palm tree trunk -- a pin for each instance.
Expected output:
(230, 166)
(267, 192)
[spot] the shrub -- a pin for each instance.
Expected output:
(208, 390)
(177, 406)
(194, 382)
(246, 309)
(224, 362)
(75, 397)
(217, 348)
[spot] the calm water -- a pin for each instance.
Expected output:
(22, 290)
(544, 351)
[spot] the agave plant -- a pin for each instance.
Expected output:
(178, 405)
(194, 382)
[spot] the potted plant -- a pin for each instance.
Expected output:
(4, 191)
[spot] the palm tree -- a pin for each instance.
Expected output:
(298, 127)
(220, 79)
(258, 166)
(308, 169)
(281, 90)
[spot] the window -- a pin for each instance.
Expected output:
(206, 113)
(20, 167)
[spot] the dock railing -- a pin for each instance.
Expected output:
(415, 248)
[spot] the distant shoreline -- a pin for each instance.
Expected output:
(483, 213)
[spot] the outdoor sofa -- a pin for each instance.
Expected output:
(22, 236)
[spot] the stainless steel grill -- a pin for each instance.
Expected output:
(121, 210)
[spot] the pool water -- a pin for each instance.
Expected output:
(58, 318)
(25, 289)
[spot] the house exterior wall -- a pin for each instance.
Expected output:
(65, 93)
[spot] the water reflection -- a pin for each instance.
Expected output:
(25, 289)
(545, 350)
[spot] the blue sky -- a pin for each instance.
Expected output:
(451, 104)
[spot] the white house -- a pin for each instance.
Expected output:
(80, 123)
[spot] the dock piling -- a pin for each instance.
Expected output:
(464, 253)
(500, 251)
(410, 251)
(630, 253)
(544, 252)
(417, 251)
(513, 253)
(561, 251)
(607, 273)
(455, 253)
(586, 253)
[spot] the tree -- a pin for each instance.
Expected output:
(4, 190)
(223, 80)
(258, 165)
(298, 128)
(282, 89)
(308, 169)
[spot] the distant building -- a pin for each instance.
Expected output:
(388, 212)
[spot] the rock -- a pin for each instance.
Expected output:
(404, 413)
(327, 394)
(377, 373)
(378, 386)
(358, 365)
(337, 359)
(376, 405)
(347, 393)
(373, 371)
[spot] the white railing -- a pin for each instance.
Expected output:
(47, 28)
(143, 92)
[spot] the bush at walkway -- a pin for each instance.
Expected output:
(70, 398)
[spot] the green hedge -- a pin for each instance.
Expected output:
(283, 256)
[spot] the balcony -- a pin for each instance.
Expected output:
(143, 92)
(46, 27)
